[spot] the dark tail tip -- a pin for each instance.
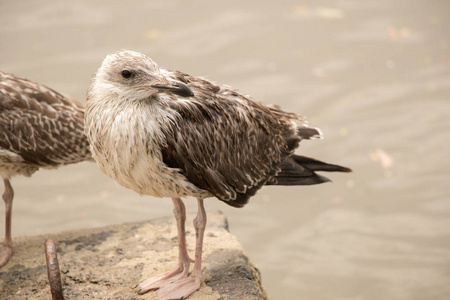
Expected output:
(301, 170)
(317, 165)
(343, 169)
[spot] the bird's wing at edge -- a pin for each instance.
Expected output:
(40, 124)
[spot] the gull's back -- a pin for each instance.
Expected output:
(39, 127)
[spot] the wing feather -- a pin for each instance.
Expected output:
(42, 126)
(206, 142)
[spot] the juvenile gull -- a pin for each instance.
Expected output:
(168, 134)
(39, 127)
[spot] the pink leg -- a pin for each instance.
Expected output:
(6, 246)
(181, 271)
(182, 288)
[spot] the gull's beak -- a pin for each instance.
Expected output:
(175, 87)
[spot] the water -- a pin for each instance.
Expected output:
(374, 75)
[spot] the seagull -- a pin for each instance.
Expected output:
(169, 134)
(39, 128)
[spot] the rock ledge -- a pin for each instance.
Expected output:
(105, 263)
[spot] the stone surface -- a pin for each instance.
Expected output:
(105, 263)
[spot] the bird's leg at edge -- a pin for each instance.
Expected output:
(181, 271)
(182, 288)
(6, 246)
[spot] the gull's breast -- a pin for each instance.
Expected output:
(129, 151)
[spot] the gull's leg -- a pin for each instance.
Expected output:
(6, 246)
(181, 271)
(182, 288)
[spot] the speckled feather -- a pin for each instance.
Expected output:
(227, 142)
(39, 127)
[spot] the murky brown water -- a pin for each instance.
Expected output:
(374, 75)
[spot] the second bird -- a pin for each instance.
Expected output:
(39, 128)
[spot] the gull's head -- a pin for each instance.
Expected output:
(132, 76)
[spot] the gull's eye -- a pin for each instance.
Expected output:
(126, 74)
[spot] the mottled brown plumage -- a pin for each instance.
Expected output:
(207, 143)
(39, 128)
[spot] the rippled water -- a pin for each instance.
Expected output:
(374, 75)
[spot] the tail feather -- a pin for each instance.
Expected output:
(309, 133)
(317, 165)
(300, 170)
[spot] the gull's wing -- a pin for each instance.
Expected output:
(225, 142)
(42, 126)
